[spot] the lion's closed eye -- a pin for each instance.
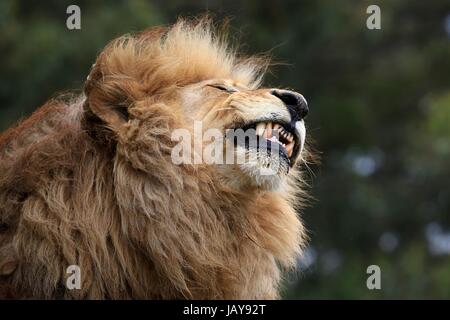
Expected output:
(223, 87)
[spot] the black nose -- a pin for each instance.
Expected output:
(296, 104)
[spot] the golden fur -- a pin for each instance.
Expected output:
(89, 181)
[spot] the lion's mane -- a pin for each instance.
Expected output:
(79, 188)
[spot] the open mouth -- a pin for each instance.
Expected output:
(272, 135)
(275, 132)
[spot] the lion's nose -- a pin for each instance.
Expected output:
(295, 102)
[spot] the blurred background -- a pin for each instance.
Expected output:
(380, 116)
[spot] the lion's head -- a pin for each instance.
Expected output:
(202, 84)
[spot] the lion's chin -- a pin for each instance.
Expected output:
(261, 170)
(262, 178)
(246, 177)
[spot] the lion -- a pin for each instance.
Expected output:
(89, 180)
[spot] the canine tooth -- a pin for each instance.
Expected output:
(260, 127)
(268, 132)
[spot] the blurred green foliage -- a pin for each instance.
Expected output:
(380, 115)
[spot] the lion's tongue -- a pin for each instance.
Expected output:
(275, 139)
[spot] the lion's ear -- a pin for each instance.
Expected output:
(109, 95)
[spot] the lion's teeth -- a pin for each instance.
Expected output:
(260, 127)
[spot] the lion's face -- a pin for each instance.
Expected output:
(192, 77)
(263, 130)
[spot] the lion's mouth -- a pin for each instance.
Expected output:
(275, 132)
(272, 135)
